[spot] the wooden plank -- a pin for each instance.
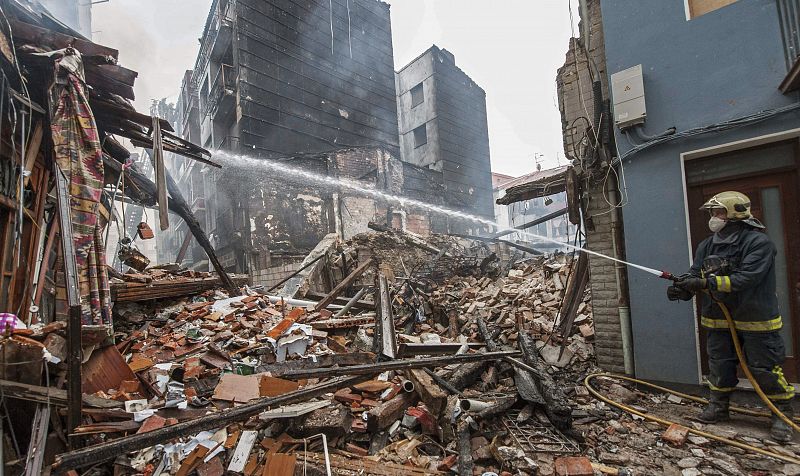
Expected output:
(242, 452)
(32, 150)
(35, 456)
(184, 248)
(701, 7)
(429, 391)
(27, 33)
(35, 393)
(280, 464)
(74, 348)
(384, 324)
(157, 156)
(399, 364)
(344, 284)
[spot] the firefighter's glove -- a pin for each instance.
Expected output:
(692, 284)
(674, 293)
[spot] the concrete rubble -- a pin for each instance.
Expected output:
(518, 406)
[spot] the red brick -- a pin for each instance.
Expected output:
(573, 466)
(675, 435)
(153, 423)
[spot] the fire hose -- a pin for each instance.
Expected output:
(740, 353)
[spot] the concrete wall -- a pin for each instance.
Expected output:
(725, 64)
(454, 112)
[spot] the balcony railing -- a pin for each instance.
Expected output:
(224, 85)
(219, 22)
(789, 13)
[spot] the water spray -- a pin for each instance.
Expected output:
(249, 164)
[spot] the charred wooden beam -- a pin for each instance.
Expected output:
(467, 373)
(399, 364)
(33, 393)
(429, 391)
(74, 349)
(531, 223)
(408, 349)
(465, 462)
(389, 411)
(111, 449)
(344, 284)
(384, 323)
(556, 404)
(442, 382)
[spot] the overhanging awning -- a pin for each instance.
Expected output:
(537, 184)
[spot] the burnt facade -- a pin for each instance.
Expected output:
(284, 80)
(443, 126)
(277, 78)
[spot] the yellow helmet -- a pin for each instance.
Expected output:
(736, 205)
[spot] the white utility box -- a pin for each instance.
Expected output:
(627, 92)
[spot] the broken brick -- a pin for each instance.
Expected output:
(573, 466)
(153, 423)
(675, 435)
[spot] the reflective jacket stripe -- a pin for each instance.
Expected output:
(723, 284)
(759, 326)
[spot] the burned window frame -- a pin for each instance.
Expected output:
(417, 95)
(420, 140)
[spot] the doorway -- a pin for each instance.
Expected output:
(768, 176)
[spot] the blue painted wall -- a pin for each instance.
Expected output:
(722, 65)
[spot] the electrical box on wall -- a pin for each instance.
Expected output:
(627, 92)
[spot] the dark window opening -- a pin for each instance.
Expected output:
(420, 136)
(417, 95)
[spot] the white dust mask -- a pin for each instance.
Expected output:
(715, 224)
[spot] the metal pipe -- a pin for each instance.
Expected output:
(408, 386)
(350, 303)
(623, 310)
(470, 405)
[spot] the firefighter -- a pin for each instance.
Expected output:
(736, 266)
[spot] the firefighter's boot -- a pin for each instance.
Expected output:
(717, 409)
(780, 431)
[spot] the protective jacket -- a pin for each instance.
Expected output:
(749, 288)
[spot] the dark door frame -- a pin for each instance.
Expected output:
(788, 179)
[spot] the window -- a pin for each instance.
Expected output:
(417, 95)
(420, 136)
(695, 8)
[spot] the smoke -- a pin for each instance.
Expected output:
(154, 37)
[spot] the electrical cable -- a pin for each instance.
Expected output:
(717, 127)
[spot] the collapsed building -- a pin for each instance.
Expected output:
(388, 350)
(270, 82)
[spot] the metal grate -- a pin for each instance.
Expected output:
(534, 437)
(789, 14)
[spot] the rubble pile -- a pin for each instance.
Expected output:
(479, 371)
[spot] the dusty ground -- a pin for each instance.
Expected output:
(617, 439)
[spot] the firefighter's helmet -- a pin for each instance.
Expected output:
(736, 205)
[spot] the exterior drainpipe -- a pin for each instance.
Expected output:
(620, 276)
